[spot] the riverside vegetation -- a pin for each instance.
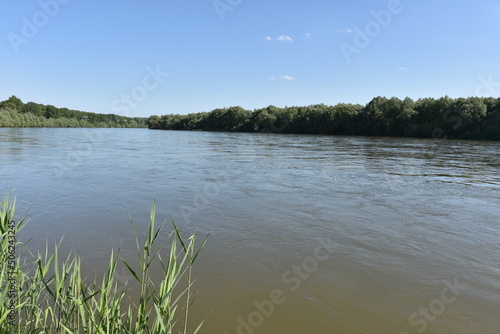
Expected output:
(41, 293)
(15, 113)
(462, 118)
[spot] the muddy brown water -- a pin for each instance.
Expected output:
(308, 234)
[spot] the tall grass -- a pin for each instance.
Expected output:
(50, 295)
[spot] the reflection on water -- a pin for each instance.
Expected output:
(307, 233)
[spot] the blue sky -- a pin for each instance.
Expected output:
(99, 55)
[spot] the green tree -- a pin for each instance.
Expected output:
(373, 118)
(12, 102)
(33, 108)
(154, 122)
(51, 111)
(264, 119)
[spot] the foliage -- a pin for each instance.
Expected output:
(467, 118)
(15, 113)
(50, 295)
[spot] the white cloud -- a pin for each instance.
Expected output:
(284, 77)
(402, 68)
(308, 35)
(285, 38)
(347, 31)
(268, 38)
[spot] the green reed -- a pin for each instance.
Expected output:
(47, 294)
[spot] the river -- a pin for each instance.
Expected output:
(307, 234)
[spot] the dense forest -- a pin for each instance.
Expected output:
(463, 118)
(15, 113)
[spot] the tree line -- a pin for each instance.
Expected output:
(461, 118)
(15, 113)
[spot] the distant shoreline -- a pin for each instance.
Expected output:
(16, 114)
(474, 118)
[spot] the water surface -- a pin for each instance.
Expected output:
(308, 234)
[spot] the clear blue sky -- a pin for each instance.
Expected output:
(87, 54)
